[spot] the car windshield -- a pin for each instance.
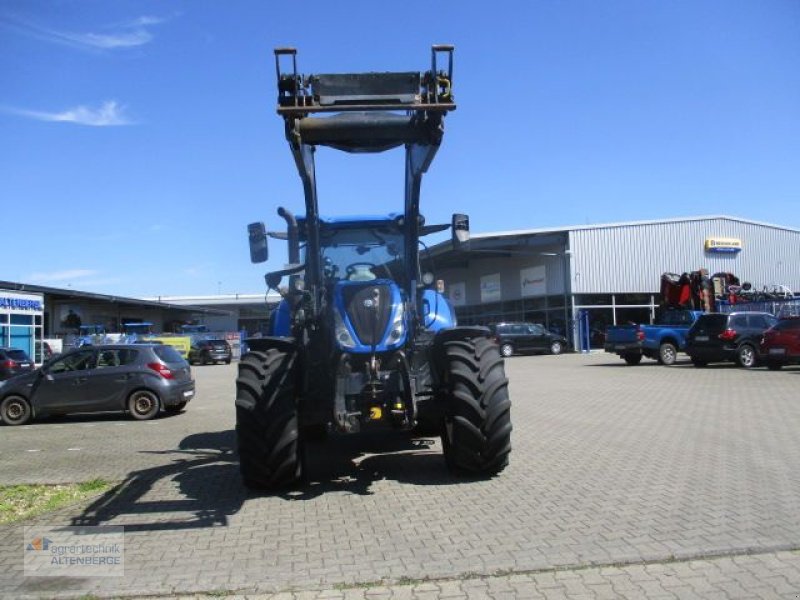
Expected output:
(362, 254)
(714, 323)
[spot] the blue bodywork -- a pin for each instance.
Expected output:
(437, 313)
(387, 342)
(281, 320)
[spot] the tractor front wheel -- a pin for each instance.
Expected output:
(270, 451)
(477, 430)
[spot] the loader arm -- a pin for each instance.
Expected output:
(365, 113)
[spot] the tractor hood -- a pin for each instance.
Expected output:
(369, 316)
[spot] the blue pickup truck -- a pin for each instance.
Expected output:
(661, 341)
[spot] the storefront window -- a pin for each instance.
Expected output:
(21, 321)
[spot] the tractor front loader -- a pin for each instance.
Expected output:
(362, 339)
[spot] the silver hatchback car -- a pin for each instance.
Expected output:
(138, 379)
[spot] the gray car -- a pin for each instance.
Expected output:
(140, 380)
(14, 361)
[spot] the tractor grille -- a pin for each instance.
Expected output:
(369, 309)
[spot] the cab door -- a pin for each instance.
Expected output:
(64, 385)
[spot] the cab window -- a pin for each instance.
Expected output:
(79, 361)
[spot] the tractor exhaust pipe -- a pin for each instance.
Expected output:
(293, 238)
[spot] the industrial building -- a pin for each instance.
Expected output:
(30, 313)
(612, 272)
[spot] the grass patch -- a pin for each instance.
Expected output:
(19, 502)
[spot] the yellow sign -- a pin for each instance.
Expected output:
(180, 343)
(723, 244)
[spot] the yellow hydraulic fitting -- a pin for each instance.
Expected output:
(375, 413)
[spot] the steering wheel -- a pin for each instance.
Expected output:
(360, 271)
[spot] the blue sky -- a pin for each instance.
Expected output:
(137, 139)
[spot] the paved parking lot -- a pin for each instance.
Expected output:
(617, 471)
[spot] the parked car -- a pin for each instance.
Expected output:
(13, 361)
(207, 350)
(780, 345)
(661, 341)
(734, 337)
(141, 380)
(526, 337)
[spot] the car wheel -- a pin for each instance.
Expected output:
(15, 410)
(556, 348)
(174, 410)
(506, 350)
(774, 366)
(746, 356)
(228, 361)
(667, 354)
(143, 405)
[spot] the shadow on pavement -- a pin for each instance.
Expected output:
(205, 471)
(352, 463)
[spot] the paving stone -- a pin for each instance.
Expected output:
(611, 465)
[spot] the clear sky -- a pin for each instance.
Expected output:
(138, 138)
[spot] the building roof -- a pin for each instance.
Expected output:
(68, 294)
(516, 232)
(220, 299)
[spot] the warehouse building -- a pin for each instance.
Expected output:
(31, 313)
(607, 273)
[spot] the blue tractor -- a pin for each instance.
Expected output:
(361, 338)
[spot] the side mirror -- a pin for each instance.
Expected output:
(257, 234)
(460, 232)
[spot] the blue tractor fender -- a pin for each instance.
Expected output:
(437, 312)
(281, 320)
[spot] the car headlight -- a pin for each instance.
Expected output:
(343, 337)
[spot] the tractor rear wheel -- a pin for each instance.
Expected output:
(477, 430)
(270, 451)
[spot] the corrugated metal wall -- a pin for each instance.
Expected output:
(630, 258)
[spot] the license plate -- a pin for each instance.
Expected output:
(777, 351)
(701, 338)
(188, 394)
(25, 365)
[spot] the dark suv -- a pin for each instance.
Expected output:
(526, 337)
(206, 350)
(732, 337)
(13, 361)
